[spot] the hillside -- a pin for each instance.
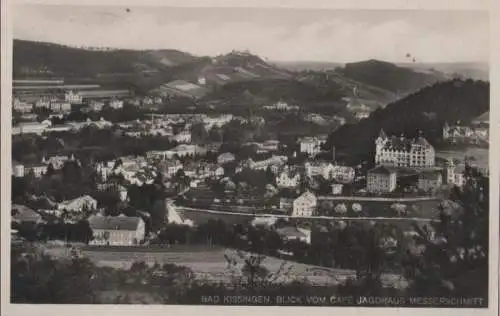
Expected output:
(425, 110)
(389, 76)
(64, 61)
(265, 91)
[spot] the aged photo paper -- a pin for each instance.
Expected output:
(249, 157)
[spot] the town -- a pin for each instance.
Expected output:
(239, 165)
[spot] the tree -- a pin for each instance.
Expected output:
(454, 260)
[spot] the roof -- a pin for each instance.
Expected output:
(430, 175)
(308, 196)
(120, 222)
(382, 170)
(24, 214)
(291, 232)
(485, 117)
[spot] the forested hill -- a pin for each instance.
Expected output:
(389, 76)
(424, 110)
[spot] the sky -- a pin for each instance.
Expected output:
(276, 34)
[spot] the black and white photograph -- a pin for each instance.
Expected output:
(257, 156)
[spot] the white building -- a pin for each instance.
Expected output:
(38, 170)
(79, 204)
(288, 179)
(225, 158)
(115, 104)
(182, 137)
(311, 145)
(403, 152)
(116, 230)
(17, 169)
(60, 107)
(21, 106)
(381, 180)
(73, 97)
(455, 174)
(295, 233)
(31, 128)
(304, 205)
(343, 174)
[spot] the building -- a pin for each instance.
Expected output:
(342, 174)
(73, 97)
(304, 205)
(79, 204)
(115, 103)
(23, 214)
(295, 233)
(60, 106)
(429, 181)
(96, 105)
(169, 167)
(17, 169)
(281, 106)
(455, 174)
(381, 179)
(116, 230)
(311, 145)
(474, 133)
(37, 170)
(21, 106)
(316, 168)
(182, 137)
(225, 158)
(337, 188)
(32, 127)
(288, 179)
(57, 161)
(403, 152)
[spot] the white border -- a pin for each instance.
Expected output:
(6, 41)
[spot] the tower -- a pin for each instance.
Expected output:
(379, 145)
(450, 171)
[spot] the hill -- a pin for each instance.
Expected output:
(465, 70)
(424, 110)
(265, 91)
(389, 76)
(59, 60)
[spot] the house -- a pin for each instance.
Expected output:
(428, 181)
(403, 152)
(295, 233)
(455, 174)
(288, 179)
(60, 106)
(17, 169)
(79, 204)
(337, 188)
(267, 221)
(182, 137)
(57, 161)
(176, 217)
(225, 158)
(268, 146)
(73, 97)
(23, 214)
(96, 105)
(116, 230)
(169, 167)
(476, 132)
(381, 179)
(311, 145)
(115, 103)
(304, 205)
(342, 174)
(33, 127)
(315, 168)
(37, 170)
(21, 106)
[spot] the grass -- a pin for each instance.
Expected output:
(210, 265)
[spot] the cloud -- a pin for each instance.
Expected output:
(282, 35)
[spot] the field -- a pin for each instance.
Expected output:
(209, 264)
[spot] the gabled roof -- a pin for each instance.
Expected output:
(120, 222)
(24, 214)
